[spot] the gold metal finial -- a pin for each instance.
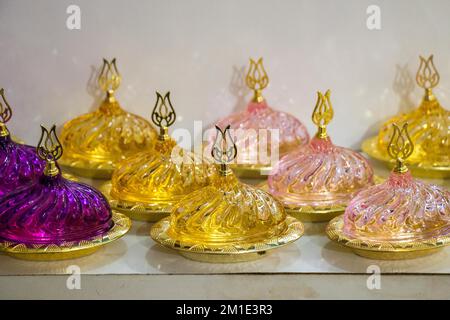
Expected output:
(5, 114)
(163, 114)
(109, 78)
(49, 149)
(427, 76)
(322, 114)
(224, 149)
(400, 147)
(257, 79)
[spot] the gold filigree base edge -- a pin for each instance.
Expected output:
(383, 250)
(370, 147)
(69, 250)
(231, 253)
(135, 210)
(251, 171)
(86, 171)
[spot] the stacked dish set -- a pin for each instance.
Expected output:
(197, 204)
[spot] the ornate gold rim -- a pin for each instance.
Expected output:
(135, 210)
(370, 147)
(314, 213)
(383, 249)
(251, 171)
(158, 232)
(68, 250)
(85, 168)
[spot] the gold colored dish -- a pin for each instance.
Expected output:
(423, 170)
(262, 134)
(138, 211)
(147, 185)
(225, 254)
(384, 250)
(315, 182)
(68, 250)
(226, 221)
(401, 218)
(315, 214)
(428, 127)
(95, 142)
(251, 171)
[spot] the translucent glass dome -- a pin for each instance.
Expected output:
(402, 209)
(429, 124)
(19, 163)
(228, 216)
(249, 125)
(161, 177)
(320, 174)
(53, 210)
(102, 138)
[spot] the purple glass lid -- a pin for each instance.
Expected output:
(53, 210)
(19, 164)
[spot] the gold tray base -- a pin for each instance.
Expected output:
(383, 250)
(232, 252)
(251, 171)
(135, 211)
(69, 250)
(315, 216)
(370, 147)
(86, 170)
(223, 258)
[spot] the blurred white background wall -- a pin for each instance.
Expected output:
(196, 49)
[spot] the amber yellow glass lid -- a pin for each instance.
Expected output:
(398, 219)
(261, 132)
(147, 185)
(316, 182)
(428, 127)
(226, 221)
(95, 142)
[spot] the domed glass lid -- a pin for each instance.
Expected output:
(100, 139)
(228, 214)
(401, 209)
(320, 174)
(19, 163)
(248, 126)
(428, 125)
(160, 177)
(53, 210)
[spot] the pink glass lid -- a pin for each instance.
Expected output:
(53, 210)
(320, 174)
(402, 209)
(259, 128)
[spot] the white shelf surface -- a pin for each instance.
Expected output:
(312, 267)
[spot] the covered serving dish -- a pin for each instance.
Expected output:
(96, 141)
(429, 128)
(55, 218)
(226, 221)
(400, 218)
(261, 133)
(147, 185)
(316, 182)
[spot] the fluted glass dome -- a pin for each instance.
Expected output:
(321, 174)
(53, 210)
(95, 142)
(19, 163)
(255, 144)
(157, 179)
(227, 216)
(429, 128)
(402, 208)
